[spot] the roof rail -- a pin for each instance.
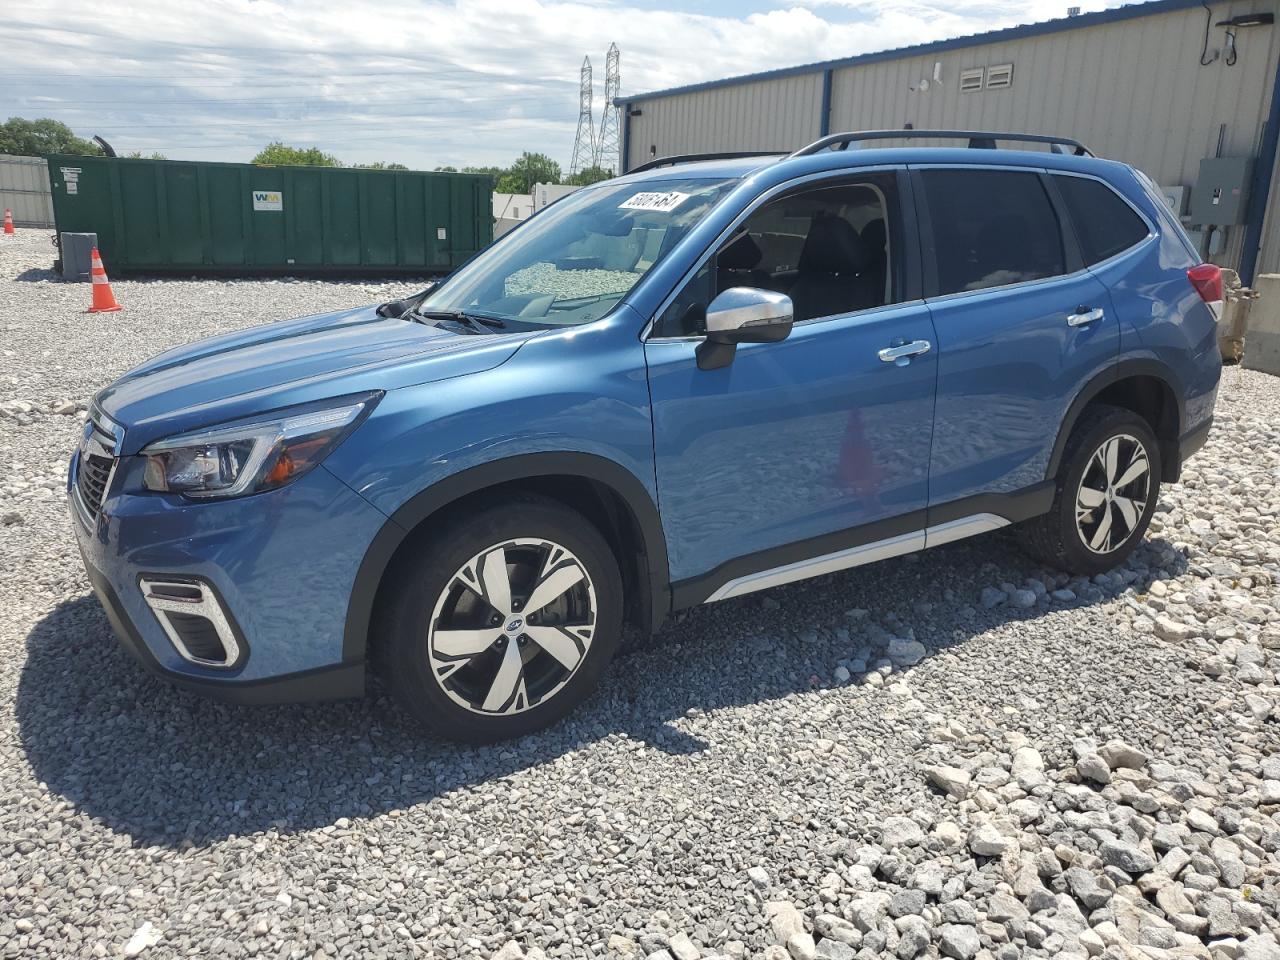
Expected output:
(694, 157)
(978, 140)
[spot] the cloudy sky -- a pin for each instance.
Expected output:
(422, 82)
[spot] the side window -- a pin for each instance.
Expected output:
(831, 249)
(1105, 224)
(991, 228)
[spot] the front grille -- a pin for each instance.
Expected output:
(91, 481)
(98, 446)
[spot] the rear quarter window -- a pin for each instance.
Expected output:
(1105, 224)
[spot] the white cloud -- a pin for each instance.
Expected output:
(422, 82)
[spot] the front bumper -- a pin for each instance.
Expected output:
(281, 563)
(325, 683)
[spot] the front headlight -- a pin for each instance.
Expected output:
(249, 456)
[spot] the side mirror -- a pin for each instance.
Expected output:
(743, 315)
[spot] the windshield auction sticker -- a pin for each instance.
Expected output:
(661, 202)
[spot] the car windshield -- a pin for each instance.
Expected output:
(575, 260)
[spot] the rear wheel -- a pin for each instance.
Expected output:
(1107, 491)
(506, 621)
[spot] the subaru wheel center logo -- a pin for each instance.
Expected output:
(514, 624)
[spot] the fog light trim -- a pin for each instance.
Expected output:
(197, 599)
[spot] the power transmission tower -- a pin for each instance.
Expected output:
(609, 144)
(584, 144)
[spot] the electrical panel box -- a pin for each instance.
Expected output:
(1175, 198)
(1214, 238)
(1221, 191)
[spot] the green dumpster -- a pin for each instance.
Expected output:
(175, 216)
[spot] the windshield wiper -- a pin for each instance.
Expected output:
(591, 298)
(478, 322)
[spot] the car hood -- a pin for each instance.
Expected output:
(294, 361)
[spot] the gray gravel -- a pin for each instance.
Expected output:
(954, 754)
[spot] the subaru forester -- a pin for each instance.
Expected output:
(699, 380)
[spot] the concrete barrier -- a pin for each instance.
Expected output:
(1262, 339)
(1237, 300)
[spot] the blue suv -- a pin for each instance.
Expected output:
(703, 379)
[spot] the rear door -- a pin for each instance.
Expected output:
(1021, 327)
(1163, 320)
(1147, 278)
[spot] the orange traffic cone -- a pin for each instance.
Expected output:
(104, 301)
(8, 220)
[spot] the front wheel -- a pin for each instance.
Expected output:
(1106, 494)
(505, 621)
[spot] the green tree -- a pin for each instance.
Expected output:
(137, 155)
(380, 165)
(589, 175)
(529, 169)
(280, 154)
(493, 173)
(509, 183)
(32, 138)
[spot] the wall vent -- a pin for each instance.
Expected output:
(971, 79)
(999, 76)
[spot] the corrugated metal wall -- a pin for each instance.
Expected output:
(1269, 249)
(1131, 89)
(24, 189)
(764, 115)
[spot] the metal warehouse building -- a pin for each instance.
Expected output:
(1138, 83)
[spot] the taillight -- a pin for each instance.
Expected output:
(1207, 279)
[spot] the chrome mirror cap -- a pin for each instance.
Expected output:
(743, 315)
(740, 307)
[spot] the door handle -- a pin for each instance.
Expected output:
(1083, 315)
(902, 353)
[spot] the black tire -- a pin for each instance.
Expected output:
(1055, 538)
(430, 580)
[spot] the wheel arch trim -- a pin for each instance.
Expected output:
(393, 533)
(1123, 370)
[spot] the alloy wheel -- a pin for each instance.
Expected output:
(1113, 493)
(512, 626)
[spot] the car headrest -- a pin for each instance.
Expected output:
(874, 235)
(833, 246)
(741, 254)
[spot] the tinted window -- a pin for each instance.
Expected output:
(990, 228)
(829, 249)
(1105, 224)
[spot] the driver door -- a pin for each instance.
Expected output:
(813, 445)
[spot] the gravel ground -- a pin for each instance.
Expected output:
(955, 754)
